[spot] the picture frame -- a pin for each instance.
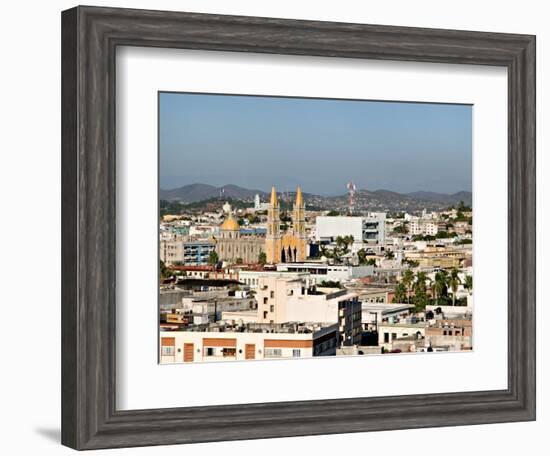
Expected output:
(90, 36)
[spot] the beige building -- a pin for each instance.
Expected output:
(282, 300)
(396, 333)
(289, 246)
(248, 343)
(451, 334)
(440, 257)
(232, 246)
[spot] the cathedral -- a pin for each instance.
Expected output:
(290, 246)
(232, 245)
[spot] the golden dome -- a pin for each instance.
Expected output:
(230, 224)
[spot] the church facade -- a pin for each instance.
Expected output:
(289, 246)
(233, 246)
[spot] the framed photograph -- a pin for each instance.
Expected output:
(273, 227)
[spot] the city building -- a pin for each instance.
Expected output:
(259, 205)
(251, 278)
(289, 246)
(375, 314)
(449, 334)
(423, 226)
(443, 257)
(406, 331)
(233, 245)
(179, 250)
(370, 229)
(323, 272)
(222, 342)
(282, 300)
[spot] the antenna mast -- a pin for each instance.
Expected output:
(351, 191)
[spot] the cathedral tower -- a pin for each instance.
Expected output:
(273, 236)
(299, 225)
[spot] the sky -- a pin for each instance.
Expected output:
(321, 144)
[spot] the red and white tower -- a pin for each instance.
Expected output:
(351, 192)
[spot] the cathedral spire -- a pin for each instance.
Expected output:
(299, 198)
(273, 201)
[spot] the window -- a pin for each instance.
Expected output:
(167, 350)
(271, 294)
(229, 352)
(393, 336)
(386, 337)
(265, 300)
(273, 352)
(209, 351)
(265, 314)
(296, 353)
(272, 308)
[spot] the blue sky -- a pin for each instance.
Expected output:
(321, 144)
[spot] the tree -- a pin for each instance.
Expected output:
(469, 283)
(454, 282)
(439, 285)
(410, 263)
(462, 207)
(262, 258)
(362, 256)
(390, 255)
(407, 280)
(239, 260)
(213, 258)
(333, 214)
(164, 271)
(401, 229)
(400, 293)
(342, 246)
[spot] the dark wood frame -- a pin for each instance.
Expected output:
(90, 36)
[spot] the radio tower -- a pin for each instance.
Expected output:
(351, 192)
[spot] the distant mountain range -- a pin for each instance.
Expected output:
(384, 200)
(198, 192)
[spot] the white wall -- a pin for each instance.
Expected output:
(30, 173)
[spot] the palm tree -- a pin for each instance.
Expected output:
(399, 293)
(454, 282)
(439, 284)
(469, 283)
(407, 280)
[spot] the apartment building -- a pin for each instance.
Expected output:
(283, 300)
(216, 342)
(369, 229)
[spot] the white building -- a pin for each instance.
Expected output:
(248, 342)
(258, 205)
(370, 229)
(282, 300)
(322, 272)
(422, 226)
(252, 278)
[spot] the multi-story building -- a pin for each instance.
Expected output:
(450, 334)
(221, 342)
(179, 250)
(423, 226)
(440, 257)
(370, 229)
(282, 300)
(323, 272)
(398, 330)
